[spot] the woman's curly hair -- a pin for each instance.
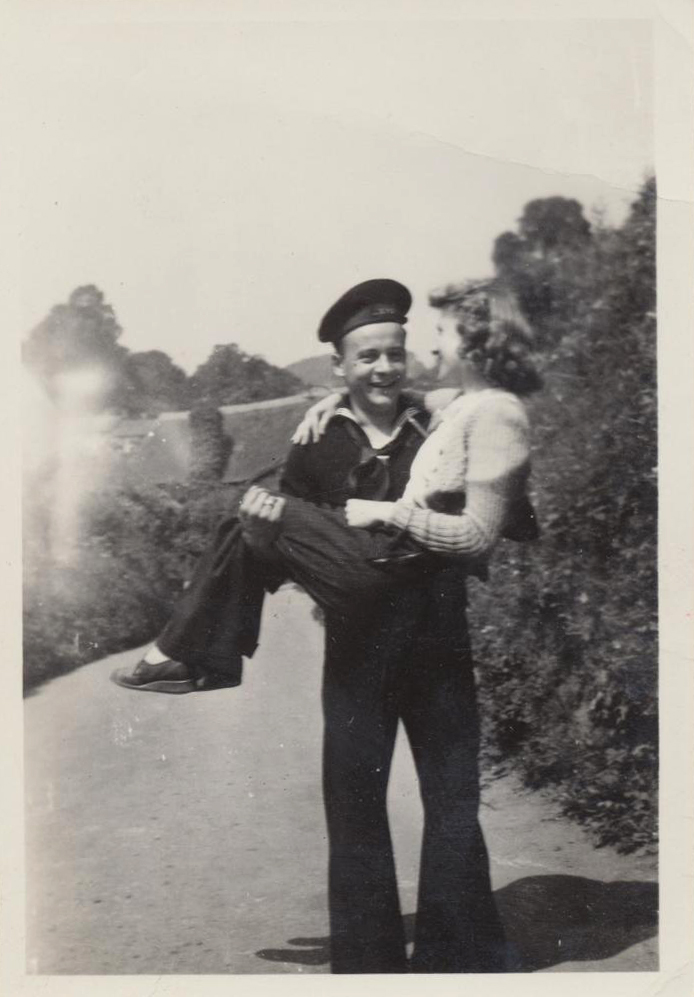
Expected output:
(494, 333)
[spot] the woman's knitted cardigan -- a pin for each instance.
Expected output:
(480, 448)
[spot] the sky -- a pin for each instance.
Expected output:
(227, 181)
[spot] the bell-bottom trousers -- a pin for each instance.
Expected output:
(403, 665)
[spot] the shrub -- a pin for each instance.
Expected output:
(137, 549)
(567, 644)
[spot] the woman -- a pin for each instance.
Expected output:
(468, 481)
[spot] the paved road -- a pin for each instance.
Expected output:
(185, 834)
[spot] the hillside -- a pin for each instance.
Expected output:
(261, 434)
(316, 370)
(158, 451)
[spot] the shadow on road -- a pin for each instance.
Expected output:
(548, 920)
(310, 952)
(554, 919)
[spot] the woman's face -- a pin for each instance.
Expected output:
(448, 346)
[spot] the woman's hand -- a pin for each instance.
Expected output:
(315, 419)
(364, 513)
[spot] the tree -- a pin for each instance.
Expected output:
(527, 274)
(159, 385)
(509, 250)
(230, 376)
(552, 224)
(538, 260)
(81, 337)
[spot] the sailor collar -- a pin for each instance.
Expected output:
(408, 415)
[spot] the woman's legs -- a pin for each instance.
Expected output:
(334, 562)
(217, 619)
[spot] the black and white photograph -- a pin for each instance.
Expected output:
(344, 426)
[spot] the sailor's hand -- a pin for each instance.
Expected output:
(364, 513)
(260, 514)
(315, 419)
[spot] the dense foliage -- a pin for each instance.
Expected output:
(117, 587)
(567, 641)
